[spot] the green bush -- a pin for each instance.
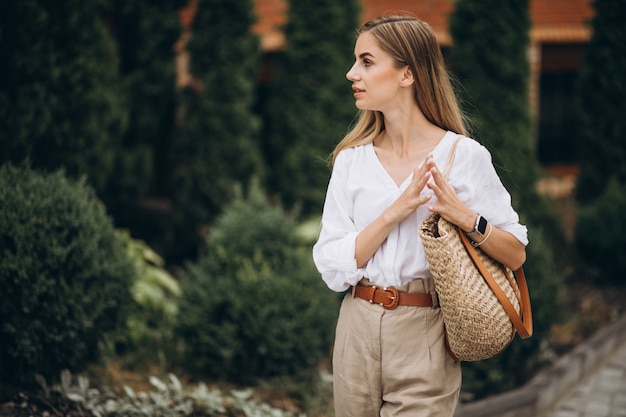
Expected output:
(62, 104)
(64, 274)
(306, 108)
(599, 234)
(254, 304)
(149, 336)
(602, 149)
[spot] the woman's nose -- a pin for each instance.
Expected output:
(351, 74)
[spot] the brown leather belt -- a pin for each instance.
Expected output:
(390, 298)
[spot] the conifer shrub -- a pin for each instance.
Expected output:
(148, 337)
(214, 145)
(599, 235)
(602, 177)
(307, 105)
(602, 148)
(61, 100)
(64, 274)
(254, 305)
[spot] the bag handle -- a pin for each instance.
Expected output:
(523, 321)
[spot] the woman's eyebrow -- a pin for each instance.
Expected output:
(365, 54)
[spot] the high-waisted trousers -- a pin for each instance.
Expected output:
(393, 362)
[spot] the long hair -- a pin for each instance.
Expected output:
(409, 41)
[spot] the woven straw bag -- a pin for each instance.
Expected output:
(483, 303)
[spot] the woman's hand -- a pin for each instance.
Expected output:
(412, 197)
(500, 245)
(370, 238)
(448, 204)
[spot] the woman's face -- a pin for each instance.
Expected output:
(376, 81)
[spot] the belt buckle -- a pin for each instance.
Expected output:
(393, 299)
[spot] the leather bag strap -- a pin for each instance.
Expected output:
(523, 322)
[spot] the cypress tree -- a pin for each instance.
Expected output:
(214, 147)
(309, 105)
(60, 102)
(601, 89)
(145, 31)
(601, 185)
(490, 57)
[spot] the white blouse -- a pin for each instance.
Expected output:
(360, 189)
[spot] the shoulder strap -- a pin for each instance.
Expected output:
(451, 156)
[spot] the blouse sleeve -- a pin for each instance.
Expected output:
(334, 251)
(479, 187)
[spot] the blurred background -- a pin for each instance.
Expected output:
(163, 171)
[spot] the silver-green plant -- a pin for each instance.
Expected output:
(167, 399)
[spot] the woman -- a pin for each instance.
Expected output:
(390, 357)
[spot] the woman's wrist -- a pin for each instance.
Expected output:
(469, 223)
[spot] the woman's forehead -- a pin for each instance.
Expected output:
(366, 43)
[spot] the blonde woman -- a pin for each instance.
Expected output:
(390, 357)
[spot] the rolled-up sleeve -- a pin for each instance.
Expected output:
(334, 251)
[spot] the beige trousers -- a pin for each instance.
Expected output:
(393, 362)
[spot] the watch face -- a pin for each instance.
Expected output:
(482, 225)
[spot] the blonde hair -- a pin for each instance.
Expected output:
(409, 41)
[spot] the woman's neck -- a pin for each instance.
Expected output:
(408, 132)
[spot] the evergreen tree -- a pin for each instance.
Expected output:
(490, 57)
(60, 102)
(601, 92)
(601, 185)
(145, 31)
(214, 147)
(309, 106)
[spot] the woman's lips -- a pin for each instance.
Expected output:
(357, 91)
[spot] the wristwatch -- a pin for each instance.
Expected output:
(480, 227)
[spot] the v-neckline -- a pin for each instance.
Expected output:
(385, 174)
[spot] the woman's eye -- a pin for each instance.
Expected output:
(367, 62)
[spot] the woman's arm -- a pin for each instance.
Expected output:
(500, 245)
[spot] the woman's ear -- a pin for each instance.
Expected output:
(407, 77)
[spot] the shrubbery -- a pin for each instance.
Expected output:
(254, 305)
(64, 274)
(149, 336)
(599, 234)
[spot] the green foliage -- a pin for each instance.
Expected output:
(64, 274)
(490, 58)
(145, 31)
(60, 100)
(601, 90)
(156, 294)
(599, 234)
(167, 399)
(602, 179)
(214, 147)
(308, 106)
(254, 305)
